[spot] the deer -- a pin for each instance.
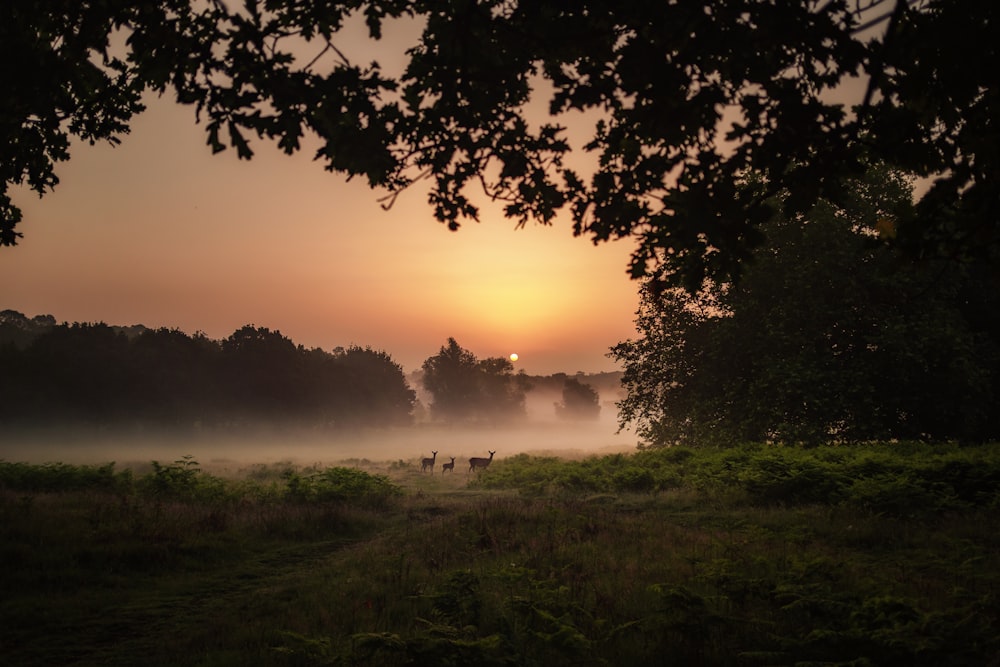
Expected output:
(428, 463)
(448, 467)
(477, 462)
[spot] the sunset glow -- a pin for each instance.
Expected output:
(161, 233)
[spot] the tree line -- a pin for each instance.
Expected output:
(101, 374)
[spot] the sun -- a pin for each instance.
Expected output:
(513, 356)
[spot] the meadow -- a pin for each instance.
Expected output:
(884, 554)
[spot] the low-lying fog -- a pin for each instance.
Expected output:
(542, 433)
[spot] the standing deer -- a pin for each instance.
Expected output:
(448, 467)
(478, 462)
(428, 463)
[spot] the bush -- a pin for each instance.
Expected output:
(340, 484)
(182, 479)
(777, 480)
(898, 496)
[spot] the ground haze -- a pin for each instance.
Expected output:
(308, 447)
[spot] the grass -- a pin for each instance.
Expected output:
(881, 555)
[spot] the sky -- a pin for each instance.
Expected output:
(159, 232)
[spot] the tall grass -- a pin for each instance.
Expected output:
(880, 555)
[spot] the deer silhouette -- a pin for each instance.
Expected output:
(428, 463)
(478, 462)
(448, 467)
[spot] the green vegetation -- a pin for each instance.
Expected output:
(827, 337)
(868, 555)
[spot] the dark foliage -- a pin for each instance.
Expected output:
(688, 96)
(883, 554)
(469, 389)
(96, 374)
(827, 337)
(580, 401)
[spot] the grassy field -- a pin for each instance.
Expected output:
(878, 555)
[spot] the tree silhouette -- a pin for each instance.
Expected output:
(689, 97)
(18, 330)
(826, 338)
(452, 378)
(265, 372)
(503, 392)
(579, 401)
(81, 373)
(376, 388)
(180, 377)
(98, 374)
(466, 388)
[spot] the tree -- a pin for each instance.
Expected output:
(451, 377)
(265, 372)
(825, 338)
(376, 388)
(18, 330)
(468, 389)
(179, 378)
(77, 372)
(502, 392)
(579, 401)
(688, 97)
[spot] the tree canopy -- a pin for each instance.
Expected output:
(682, 100)
(826, 338)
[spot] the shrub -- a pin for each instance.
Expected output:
(340, 484)
(777, 480)
(634, 478)
(899, 496)
(183, 479)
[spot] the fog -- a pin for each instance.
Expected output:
(540, 434)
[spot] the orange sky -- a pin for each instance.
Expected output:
(158, 231)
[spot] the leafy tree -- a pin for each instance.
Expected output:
(79, 372)
(265, 372)
(179, 377)
(376, 388)
(353, 387)
(466, 388)
(687, 97)
(579, 401)
(451, 377)
(502, 392)
(825, 338)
